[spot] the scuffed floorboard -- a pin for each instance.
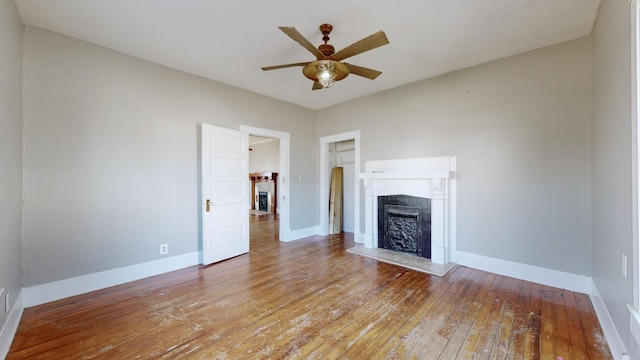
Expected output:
(310, 299)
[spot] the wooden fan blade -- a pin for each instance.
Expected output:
(297, 37)
(267, 68)
(316, 86)
(363, 71)
(369, 43)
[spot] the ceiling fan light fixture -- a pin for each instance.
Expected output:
(326, 73)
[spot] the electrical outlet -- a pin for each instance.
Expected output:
(164, 249)
(624, 265)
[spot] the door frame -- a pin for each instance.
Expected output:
(325, 180)
(283, 174)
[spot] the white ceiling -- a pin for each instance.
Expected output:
(255, 140)
(229, 41)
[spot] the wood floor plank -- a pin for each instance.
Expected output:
(597, 347)
(426, 332)
(521, 322)
(562, 339)
(485, 302)
(534, 324)
(367, 314)
(547, 329)
(310, 311)
(396, 346)
(310, 299)
(460, 323)
(501, 349)
(488, 334)
(576, 331)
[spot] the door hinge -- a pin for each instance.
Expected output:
(208, 205)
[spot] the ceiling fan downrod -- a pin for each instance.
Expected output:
(326, 49)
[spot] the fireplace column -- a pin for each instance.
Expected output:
(438, 211)
(370, 216)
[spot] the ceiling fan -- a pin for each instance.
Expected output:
(328, 66)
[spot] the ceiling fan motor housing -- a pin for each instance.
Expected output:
(326, 49)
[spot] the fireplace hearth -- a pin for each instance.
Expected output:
(404, 224)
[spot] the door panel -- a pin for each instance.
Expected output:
(229, 248)
(225, 191)
(224, 167)
(227, 215)
(225, 180)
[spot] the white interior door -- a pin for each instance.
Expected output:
(225, 181)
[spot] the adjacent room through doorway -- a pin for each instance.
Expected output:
(341, 199)
(269, 164)
(264, 165)
(341, 151)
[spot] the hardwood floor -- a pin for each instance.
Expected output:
(310, 299)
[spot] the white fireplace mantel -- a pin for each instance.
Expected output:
(428, 174)
(431, 178)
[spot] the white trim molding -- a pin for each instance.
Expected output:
(634, 323)
(11, 326)
(618, 350)
(302, 233)
(536, 274)
(41, 294)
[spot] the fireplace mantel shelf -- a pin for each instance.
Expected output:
(427, 174)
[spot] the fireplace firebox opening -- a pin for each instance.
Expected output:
(404, 224)
(263, 201)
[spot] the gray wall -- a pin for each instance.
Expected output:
(265, 157)
(111, 156)
(612, 162)
(520, 128)
(10, 151)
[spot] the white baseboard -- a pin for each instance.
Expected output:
(40, 294)
(614, 340)
(302, 233)
(536, 274)
(11, 326)
(634, 325)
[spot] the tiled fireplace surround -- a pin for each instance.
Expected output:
(430, 177)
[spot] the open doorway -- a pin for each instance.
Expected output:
(342, 157)
(270, 156)
(341, 150)
(264, 165)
